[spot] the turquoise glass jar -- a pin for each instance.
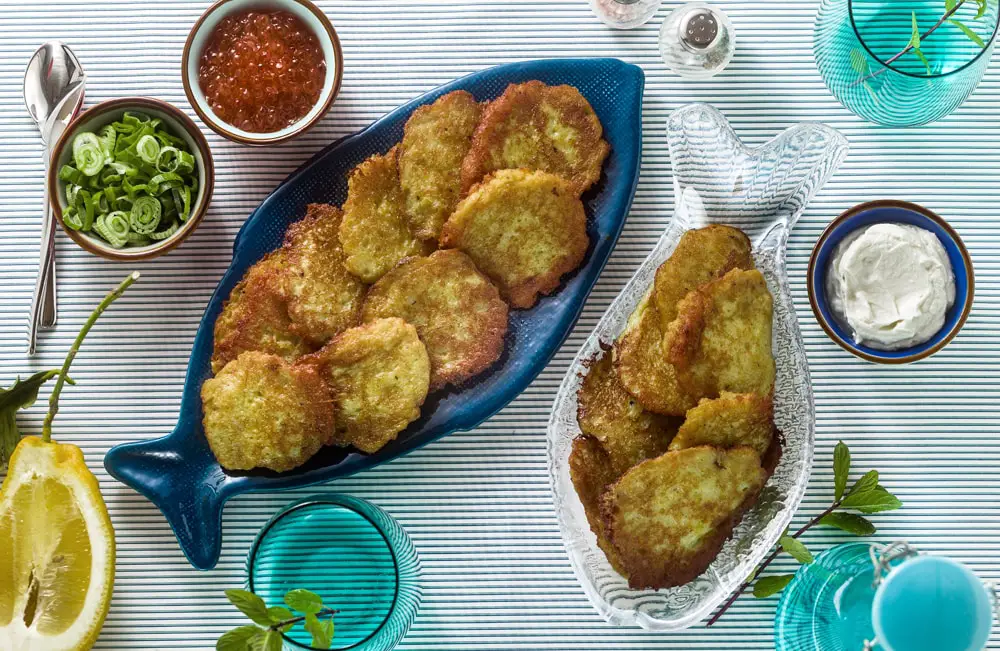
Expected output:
(858, 44)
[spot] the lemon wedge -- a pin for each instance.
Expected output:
(57, 550)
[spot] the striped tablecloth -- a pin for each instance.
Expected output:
(477, 504)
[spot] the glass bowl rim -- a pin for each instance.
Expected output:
(857, 33)
(351, 503)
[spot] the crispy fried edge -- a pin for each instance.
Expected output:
(496, 325)
(762, 407)
(591, 473)
(474, 167)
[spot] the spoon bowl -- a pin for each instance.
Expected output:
(52, 74)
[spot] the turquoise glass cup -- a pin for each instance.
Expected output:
(904, 62)
(352, 554)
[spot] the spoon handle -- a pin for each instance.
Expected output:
(45, 282)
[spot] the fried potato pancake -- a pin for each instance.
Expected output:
(590, 470)
(643, 368)
(702, 254)
(721, 338)
(669, 517)
(607, 412)
(379, 374)
(323, 297)
(731, 420)
(456, 310)
(375, 232)
(255, 317)
(436, 139)
(523, 229)
(538, 127)
(262, 412)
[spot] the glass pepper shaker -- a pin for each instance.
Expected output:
(624, 14)
(697, 41)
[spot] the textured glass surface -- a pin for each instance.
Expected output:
(762, 191)
(352, 554)
(856, 39)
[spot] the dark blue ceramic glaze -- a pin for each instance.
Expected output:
(880, 212)
(178, 472)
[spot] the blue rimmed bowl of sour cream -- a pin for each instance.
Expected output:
(890, 282)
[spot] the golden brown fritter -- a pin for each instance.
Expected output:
(669, 517)
(721, 338)
(379, 374)
(642, 366)
(323, 297)
(435, 141)
(538, 127)
(731, 420)
(457, 311)
(255, 317)
(523, 229)
(702, 254)
(607, 412)
(262, 412)
(590, 470)
(375, 232)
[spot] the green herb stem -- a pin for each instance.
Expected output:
(64, 371)
(277, 626)
(767, 561)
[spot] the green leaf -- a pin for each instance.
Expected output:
(923, 59)
(868, 481)
(915, 35)
(949, 5)
(982, 8)
(304, 601)
(849, 522)
(871, 93)
(322, 635)
(841, 467)
(250, 605)
(238, 638)
(280, 614)
(974, 37)
(796, 549)
(272, 641)
(872, 501)
(859, 63)
(769, 585)
(20, 396)
(328, 627)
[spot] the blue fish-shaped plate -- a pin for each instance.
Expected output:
(178, 472)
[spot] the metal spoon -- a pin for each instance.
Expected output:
(53, 93)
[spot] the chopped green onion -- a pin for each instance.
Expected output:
(71, 175)
(145, 215)
(148, 148)
(107, 136)
(87, 154)
(164, 234)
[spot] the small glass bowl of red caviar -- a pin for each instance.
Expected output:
(259, 72)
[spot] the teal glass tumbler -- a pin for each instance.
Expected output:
(864, 52)
(352, 554)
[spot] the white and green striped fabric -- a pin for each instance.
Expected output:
(478, 504)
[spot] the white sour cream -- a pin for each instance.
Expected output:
(892, 284)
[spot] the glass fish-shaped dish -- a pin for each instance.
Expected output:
(762, 191)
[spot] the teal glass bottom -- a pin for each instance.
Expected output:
(351, 553)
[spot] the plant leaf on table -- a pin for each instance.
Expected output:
(265, 634)
(21, 395)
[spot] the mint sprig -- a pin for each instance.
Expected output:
(21, 395)
(866, 495)
(270, 622)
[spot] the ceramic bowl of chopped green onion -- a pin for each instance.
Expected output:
(131, 178)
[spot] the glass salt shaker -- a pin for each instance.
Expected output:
(697, 41)
(624, 14)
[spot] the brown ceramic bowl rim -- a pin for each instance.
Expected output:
(220, 127)
(905, 205)
(120, 105)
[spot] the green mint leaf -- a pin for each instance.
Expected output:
(872, 501)
(796, 549)
(974, 37)
(859, 63)
(923, 59)
(321, 636)
(304, 601)
(849, 522)
(868, 481)
(915, 35)
(328, 627)
(770, 585)
(250, 605)
(272, 641)
(841, 457)
(280, 614)
(871, 93)
(949, 5)
(982, 8)
(19, 396)
(237, 639)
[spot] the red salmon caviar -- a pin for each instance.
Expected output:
(262, 70)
